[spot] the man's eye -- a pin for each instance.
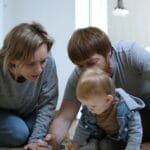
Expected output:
(91, 63)
(80, 66)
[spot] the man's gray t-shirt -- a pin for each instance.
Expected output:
(131, 72)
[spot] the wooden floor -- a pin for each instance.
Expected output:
(3, 148)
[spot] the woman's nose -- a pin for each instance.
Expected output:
(39, 68)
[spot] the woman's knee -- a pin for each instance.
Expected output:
(18, 136)
(13, 130)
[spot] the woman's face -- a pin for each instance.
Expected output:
(32, 69)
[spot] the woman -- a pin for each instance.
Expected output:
(29, 86)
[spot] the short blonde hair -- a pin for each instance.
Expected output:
(92, 82)
(22, 42)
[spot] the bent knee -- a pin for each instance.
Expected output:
(15, 137)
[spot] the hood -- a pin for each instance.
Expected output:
(131, 101)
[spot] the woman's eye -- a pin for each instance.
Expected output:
(93, 106)
(43, 61)
(31, 64)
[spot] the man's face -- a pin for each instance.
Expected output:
(99, 61)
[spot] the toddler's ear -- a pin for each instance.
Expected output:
(110, 97)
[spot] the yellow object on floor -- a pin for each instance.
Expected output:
(68, 145)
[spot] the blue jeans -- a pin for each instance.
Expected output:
(14, 130)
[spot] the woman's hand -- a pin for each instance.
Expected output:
(39, 145)
(49, 140)
(30, 146)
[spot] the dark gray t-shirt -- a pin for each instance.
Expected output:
(131, 72)
(26, 97)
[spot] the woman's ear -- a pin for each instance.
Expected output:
(110, 97)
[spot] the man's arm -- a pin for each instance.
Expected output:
(62, 122)
(69, 109)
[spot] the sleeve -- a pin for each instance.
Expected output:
(47, 102)
(140, 59)
(70, 90)
(134, 131)
(132, 62)
(81, 134)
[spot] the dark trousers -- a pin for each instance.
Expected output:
(104, 144)
(145, 116)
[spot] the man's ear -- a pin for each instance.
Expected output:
(110, 97)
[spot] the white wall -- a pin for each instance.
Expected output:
(58, 16)
(98, 14)
(82, 13)
(1, 21)
(91, 13)
(135, 26)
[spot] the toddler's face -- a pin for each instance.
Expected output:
(97, 104)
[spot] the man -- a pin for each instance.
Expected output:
(127, 63)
